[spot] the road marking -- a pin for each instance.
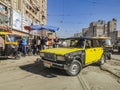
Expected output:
(83, 82)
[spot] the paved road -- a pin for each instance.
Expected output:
(116, 55)
(24, 74)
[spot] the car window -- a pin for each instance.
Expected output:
(88, 44)
(78, 43)
(10, 38)
(96, 43)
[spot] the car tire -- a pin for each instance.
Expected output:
(74, 68)
(102, 60)
(109, 56)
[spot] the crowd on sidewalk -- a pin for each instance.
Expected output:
(36, 44)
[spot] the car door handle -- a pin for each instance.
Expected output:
(94, 49)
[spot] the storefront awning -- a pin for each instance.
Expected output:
(50, 28)
(41, 27)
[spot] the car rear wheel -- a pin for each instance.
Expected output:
(109, 56)
(74, 68)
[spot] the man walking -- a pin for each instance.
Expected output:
(24, 43)
(34, 45)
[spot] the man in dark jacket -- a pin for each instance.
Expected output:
(34, 45)
(43, 42)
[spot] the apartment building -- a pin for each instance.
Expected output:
(19, 13)
(112, 25)
(97, 28)
(100, 28)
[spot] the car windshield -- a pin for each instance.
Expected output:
(79, 43)
(107, 42)
(10, 38)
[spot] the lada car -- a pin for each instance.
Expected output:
(76, 53)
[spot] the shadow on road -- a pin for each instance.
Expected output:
(41, 70)
(3, 59)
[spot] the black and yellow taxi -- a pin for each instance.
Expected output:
(11, 46)
(75, 54)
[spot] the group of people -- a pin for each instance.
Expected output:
(33, 46)
(36, 44)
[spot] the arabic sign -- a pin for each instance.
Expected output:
(17, 20)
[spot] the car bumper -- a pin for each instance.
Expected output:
(50, 64)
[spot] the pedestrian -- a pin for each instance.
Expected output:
(50, 42)
(2, 45)
(44, 41)
(24, 43)
(34, 45)
(20, 45)
(56, 42)
(38, 44)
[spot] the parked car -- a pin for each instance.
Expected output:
(78, 53)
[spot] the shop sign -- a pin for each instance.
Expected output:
(17, 21)
(26, 22)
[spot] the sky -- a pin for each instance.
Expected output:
(73, 15)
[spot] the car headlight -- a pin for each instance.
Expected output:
(42, 54)
(61, 58)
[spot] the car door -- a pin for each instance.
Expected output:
(90, 52)
(99, 49)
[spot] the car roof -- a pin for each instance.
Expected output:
(102, 37)
(84, 38)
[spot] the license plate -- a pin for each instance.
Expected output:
(47, 64)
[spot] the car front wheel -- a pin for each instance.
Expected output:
(74, 68)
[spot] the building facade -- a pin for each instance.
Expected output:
(16, 14)
(78, 34)
(112, 26)
(100, 28)
(96, 28)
